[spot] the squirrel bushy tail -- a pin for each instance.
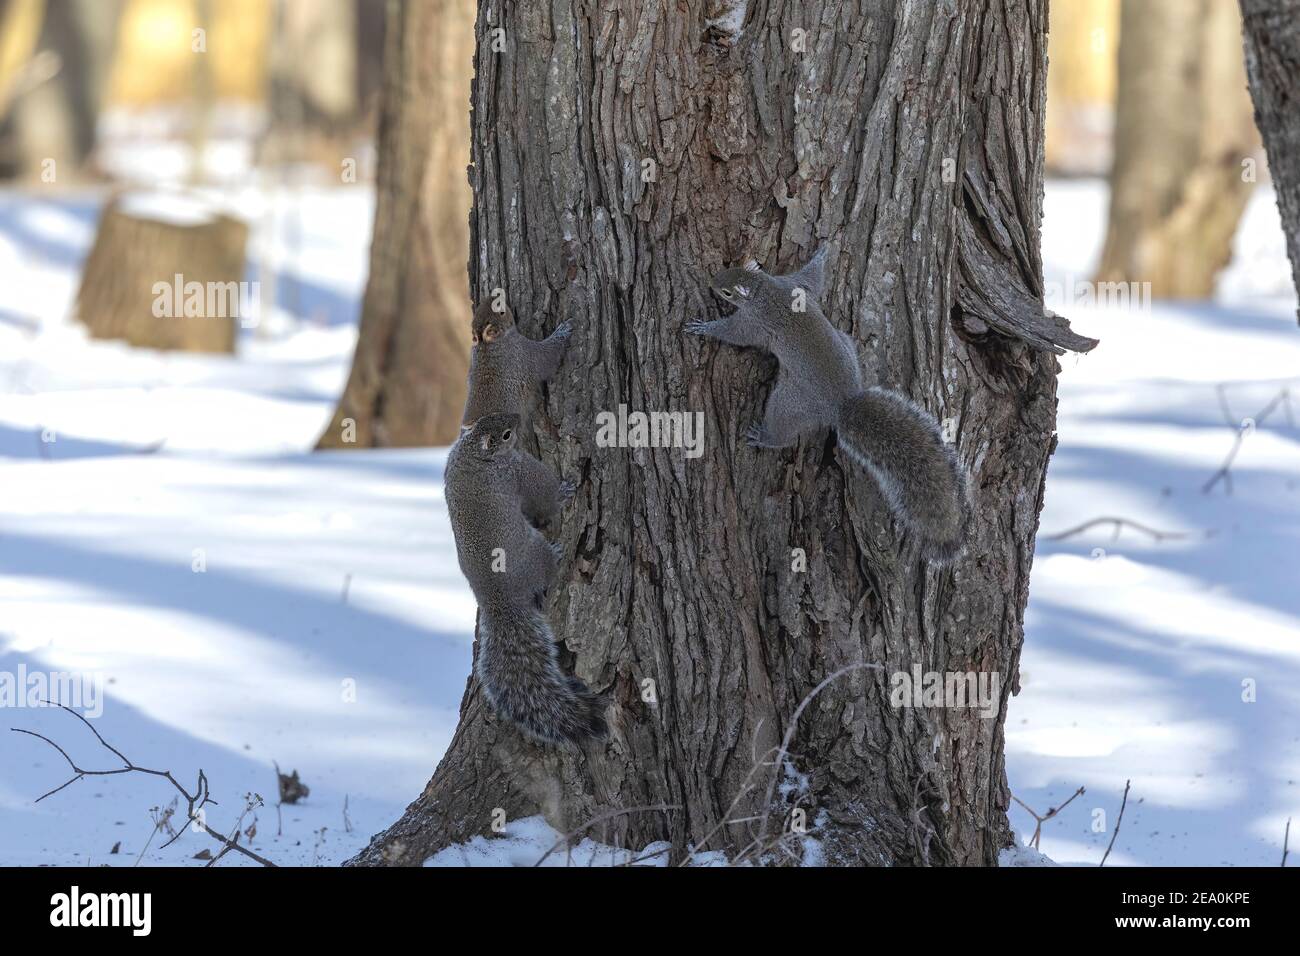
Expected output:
(521, 676)
(901, 448)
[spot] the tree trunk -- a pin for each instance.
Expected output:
(909, 140)
(55, 121)
(1272, 30)
(315, 59)
(1182, 136)
(407, 385)
(1081, 87)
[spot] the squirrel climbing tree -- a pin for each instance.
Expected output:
(622, 154)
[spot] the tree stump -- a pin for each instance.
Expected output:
(165, 284)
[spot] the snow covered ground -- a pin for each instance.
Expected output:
(164, 529)
(1139, 652)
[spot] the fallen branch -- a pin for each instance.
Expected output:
(194, 802)
(1245, 427)
(1122, 805)
(1120, 524)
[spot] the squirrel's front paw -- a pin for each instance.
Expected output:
(557, 549)
(696, 327)
(757, 436)
(567, 490)
(563, 331)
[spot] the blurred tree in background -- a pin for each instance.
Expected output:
(1184, 146)
(56, 56)
(1081, 86)
(407, 385)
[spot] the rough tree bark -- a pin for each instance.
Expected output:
(407, 385)
(1272, 32)
(905, 134)
(1182, 132)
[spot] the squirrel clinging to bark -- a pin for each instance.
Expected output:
(491, 487)
(504, 363)
(819, 384)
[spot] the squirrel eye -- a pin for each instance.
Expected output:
(726, 293)
(505, 435)
(473, 337)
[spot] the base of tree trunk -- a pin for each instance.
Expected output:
(746, 598)
(165, 285)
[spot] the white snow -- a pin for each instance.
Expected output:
(329, 629)
(1136, 650)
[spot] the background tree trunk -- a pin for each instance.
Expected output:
(1081, 86)
(909, 139)
(56, 119)
(1182, 132)
(407, 385)
(1272, 30)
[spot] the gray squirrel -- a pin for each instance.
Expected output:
(819, 384)
(491, 488)
(504, 362)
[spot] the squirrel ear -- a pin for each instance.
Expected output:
(751, 265)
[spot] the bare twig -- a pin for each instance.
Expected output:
(195, 802)
(789, 736)
(1224, 472)
(1051, 812)
(1122, 805)
(746, 786)
(1120, 524)
(1286, 838)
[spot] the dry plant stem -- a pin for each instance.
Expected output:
(1122, 805)
(194, 802)
(1051, 812)
(564, 840)
(789, 737)
(1286, 838)
(741, 793)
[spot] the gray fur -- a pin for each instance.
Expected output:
(490, 485)
(819, 384)
(503, 368)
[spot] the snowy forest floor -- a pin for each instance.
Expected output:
(330, 629)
